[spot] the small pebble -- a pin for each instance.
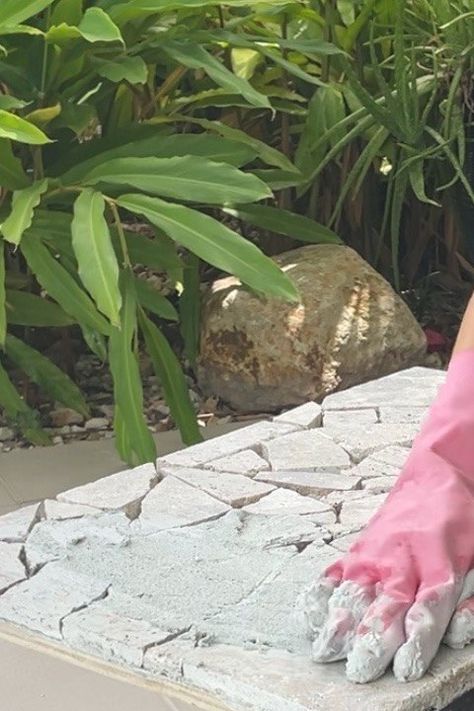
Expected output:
(6, 434)
(97, 423)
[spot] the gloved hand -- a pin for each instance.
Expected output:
(408, 581)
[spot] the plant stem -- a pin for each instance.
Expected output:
(123, 242)
(44, 68)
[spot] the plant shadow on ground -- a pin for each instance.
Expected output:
(464, 703)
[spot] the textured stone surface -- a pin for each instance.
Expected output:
(228, 444)
(12, 570)
(247, 463)
(15, 526)
(264, 354)
(307, 415)
(310, 483)
(284, 501)
(310, 450)
(208, 596)
(60, 511)
(174, 503)
(232, 489)
(123, 490)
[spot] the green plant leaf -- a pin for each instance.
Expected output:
(214, 243)
(170, 374)
(8, 103)
(25, 309)
(13, 12)
(417, 182)
(97, 26)
(158, 252)
(151, 300)
(128, 391)
(284, 222)
(183, 178)
(131, 69)
(98, 268)
(18, 129)
(3, 311)
(59, 284)
(43, 372)
(195, 56)
(18, 412)
(67, 11)
(190, 308)
(21, 215)
(222, 150)
(12, 175)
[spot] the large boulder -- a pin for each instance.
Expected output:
(262, 354)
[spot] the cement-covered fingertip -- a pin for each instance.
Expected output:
(410, 663)
(460, 631)
(314, 604)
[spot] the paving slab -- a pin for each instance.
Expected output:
(193, 575)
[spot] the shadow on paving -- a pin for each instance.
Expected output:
(465, 703)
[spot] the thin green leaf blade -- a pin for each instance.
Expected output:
(151, 300)
(128, 391)
(17, 129)
(182, 178)
(18, 412)
(25, 309)
(214, 243)
(59, 284)
(23, 207)
(46, 374)
(13, 12)
(98, 267)
(168, 370)
(284, 222)
(3, 308)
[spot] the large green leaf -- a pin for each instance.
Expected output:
(3, 312)
(284, 222)
(25, 309)
(97, 26)
(12, 175)
(18, 129)
(21, 215)
(159, 252)
(124, 12)
(128, 392)
(95, 254)
(18, 412)
(61, 286)
(195, 56)
(12, 12)
(214, 243)
(131, 69)
(168, 370)
(151, 300)
(44, 373)
(183, 178)
(190, 308)
(67, 11)
(220, 150)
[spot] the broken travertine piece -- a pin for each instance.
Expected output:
(195, 572)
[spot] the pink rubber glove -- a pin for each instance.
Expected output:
(393, 595)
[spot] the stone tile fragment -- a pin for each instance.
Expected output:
(310, 483)
(15, 526)
(309, 450)
(61, 511)
(360, 418)
(343, 543)
(284, 501)
(354, 515)
(307, 416)
(247, 463)
(385, 462)
(55, 539)
(226, 445)
(281, 530)
(174, 503)
(360, 442)
(41, 602)
(379, 484)
(416, 386)
(232, 489)
(403, 415)
(115, 634)
(12, 570)
(123, 490)
(166, 660)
